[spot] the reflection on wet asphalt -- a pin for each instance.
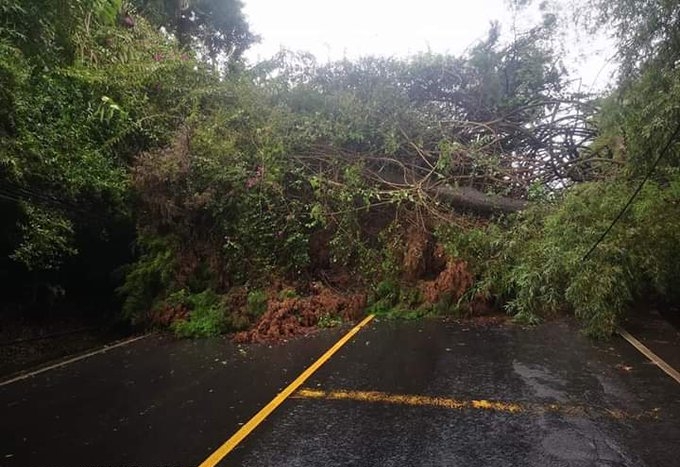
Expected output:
(158, 402)
(426, 393)
(628, 412)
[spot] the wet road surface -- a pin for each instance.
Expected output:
(657, 333)
(156, 402)
(425, 393)
(578, 404)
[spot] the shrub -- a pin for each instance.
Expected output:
(534, 265)
(206, 318)
(257, 302)
(395, 301)
(328, 320)
(147, 279)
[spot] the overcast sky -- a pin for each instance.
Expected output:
(333, 29)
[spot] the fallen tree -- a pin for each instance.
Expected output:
(347, 179)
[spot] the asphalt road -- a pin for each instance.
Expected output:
(400, 393)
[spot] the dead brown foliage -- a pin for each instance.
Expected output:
(414, 262)
(454, 281)
(167, 315)
(422, 257)
(289, 317)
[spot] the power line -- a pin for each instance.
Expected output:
(637, 192)
(14, 193)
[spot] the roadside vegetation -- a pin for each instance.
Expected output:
(145, 168)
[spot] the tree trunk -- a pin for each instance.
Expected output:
(474, 200)
(182, 22)
(466, 198)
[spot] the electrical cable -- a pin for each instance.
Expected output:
(637, 192)
(14, 193)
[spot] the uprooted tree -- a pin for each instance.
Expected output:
(351, 174)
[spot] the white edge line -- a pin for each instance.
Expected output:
(654, 358)
(68, 361)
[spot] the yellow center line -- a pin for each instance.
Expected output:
(259, 417)
(406, 399)
(458, 404)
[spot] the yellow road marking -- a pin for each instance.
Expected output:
(457, 404)
(405, 399)
(658, 361)
(259, 417)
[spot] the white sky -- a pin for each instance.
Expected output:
(333, 29)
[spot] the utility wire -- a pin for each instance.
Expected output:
(637, 192)
(17, 194)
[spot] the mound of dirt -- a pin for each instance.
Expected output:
(295, 316)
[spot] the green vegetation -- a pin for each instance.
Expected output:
(206, 316)
(394, 301)
(534, 266)
(163, 167)
(257, 302)
(329, 321)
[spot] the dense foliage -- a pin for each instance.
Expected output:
(81, 96)
(213, 196)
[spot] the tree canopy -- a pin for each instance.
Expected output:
(215, 28)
